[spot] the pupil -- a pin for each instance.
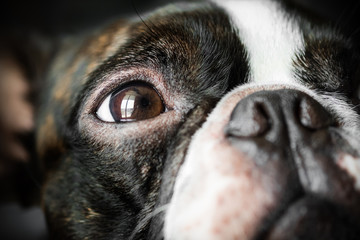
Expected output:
(144, 102)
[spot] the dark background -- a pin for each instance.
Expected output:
(66, 16)
(57, 17)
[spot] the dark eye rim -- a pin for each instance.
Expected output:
(132, 83)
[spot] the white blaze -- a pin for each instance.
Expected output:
(270, 37)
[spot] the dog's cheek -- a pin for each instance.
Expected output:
(98, 191)
(110, 180)
(135, 159)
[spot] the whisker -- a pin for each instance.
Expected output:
(352, 12)
(355, 32)
(355, 107)
(147, 219)
(138, 14)
(345, 15)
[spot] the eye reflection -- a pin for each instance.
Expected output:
(127, 105)
(135, 102)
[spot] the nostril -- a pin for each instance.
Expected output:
(248, 120)
(313, 116)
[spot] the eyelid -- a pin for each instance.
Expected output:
(103, 111)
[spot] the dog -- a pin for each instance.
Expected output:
(210, 120)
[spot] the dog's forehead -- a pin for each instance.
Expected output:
(195, 44)
(199, 45)
(196, 39)
(271, 38)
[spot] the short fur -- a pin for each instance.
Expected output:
(259, 138)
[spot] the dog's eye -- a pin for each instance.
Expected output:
(132, 103)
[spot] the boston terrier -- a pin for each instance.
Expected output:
(212, 120)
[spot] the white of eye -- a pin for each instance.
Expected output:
(103, 111)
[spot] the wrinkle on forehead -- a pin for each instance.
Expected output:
(271, 39)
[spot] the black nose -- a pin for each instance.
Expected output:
(293, 142)
(277, 113)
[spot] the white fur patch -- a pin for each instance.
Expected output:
(270, 37)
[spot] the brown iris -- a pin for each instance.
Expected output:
(136, 102)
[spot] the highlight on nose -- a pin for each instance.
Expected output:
(248, 119)
(312, 115)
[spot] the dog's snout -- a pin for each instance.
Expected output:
(273, 112)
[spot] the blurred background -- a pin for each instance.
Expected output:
(55, 17)
(52, 18)
(59, 16)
